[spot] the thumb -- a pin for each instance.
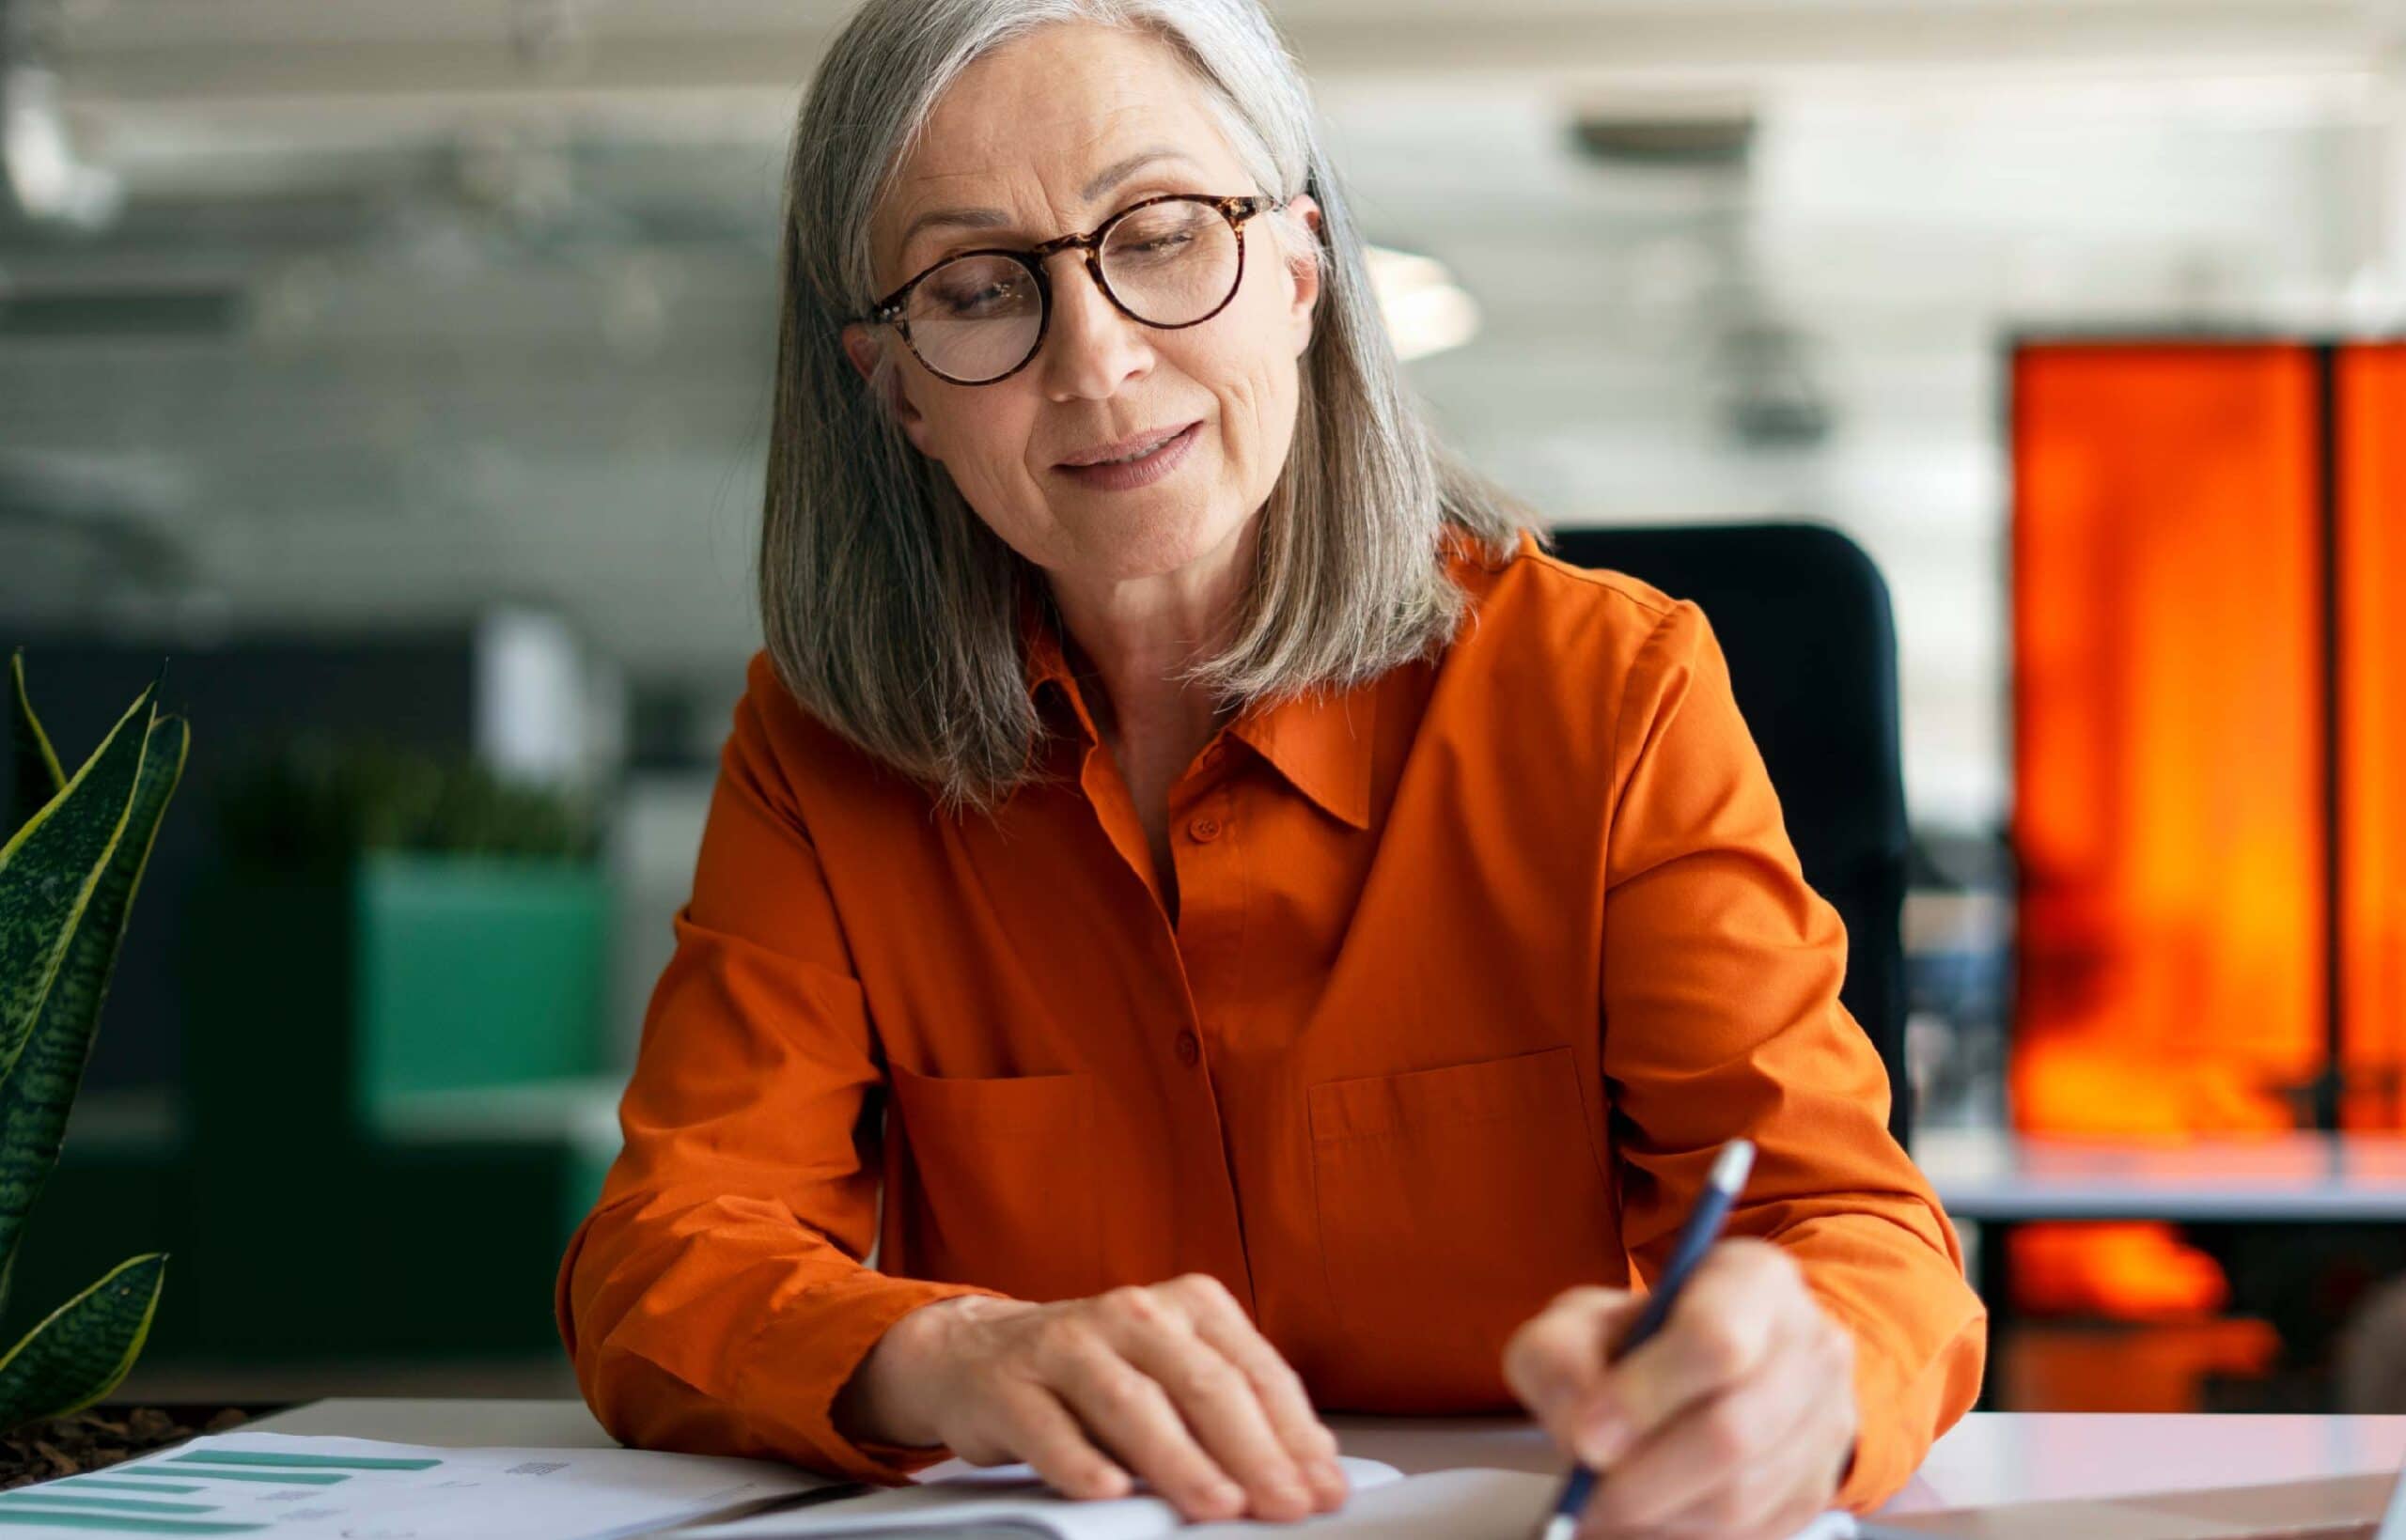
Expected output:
(1555, 1362)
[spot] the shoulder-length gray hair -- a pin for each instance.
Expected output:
(892, 612)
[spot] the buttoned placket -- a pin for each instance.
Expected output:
(1198, 951)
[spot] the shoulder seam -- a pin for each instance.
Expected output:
(1609, 579)
(1662, 622)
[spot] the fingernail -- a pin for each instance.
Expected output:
(1601, 1437)
(1331, 1474)
(1227, 1494)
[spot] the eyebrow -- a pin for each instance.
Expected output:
(993, 219)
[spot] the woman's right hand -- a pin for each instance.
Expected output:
(1169, 1382)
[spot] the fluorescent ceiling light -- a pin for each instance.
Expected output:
(1424, 310)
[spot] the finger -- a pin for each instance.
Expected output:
(1723, 1461)
(1220, 1321)
(1722, 1326)
(1770, 1509)
(1128, 1413)
(1039, 1430)
(1555, 1362)
(1154, 1332)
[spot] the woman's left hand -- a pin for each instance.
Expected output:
(1736, 1420)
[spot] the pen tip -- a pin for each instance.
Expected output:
(1559, 1527)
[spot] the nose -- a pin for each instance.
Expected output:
(1091, 349)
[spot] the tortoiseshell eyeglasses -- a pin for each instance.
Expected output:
(1169, 261)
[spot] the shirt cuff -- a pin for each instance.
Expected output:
(792, 1368)
(1904, 1401)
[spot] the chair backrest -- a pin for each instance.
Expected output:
(1802, 617)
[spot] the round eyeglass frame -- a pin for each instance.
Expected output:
(1236, 210)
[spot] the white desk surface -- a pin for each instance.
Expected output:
(1989, 1457)
(2292, 1178)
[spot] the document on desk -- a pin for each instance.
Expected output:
(1009, 1503)
(297, 1487)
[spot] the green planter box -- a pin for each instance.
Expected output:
(324, 1013)
(407, 974)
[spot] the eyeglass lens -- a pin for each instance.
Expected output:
(977, 317)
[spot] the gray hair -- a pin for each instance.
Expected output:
(892, 612)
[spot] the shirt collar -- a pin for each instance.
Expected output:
(1321, 741)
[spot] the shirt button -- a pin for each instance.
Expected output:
(1204, 829)
(1190, 1052)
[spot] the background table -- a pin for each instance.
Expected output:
(1987, 1457)
(2302, 1177)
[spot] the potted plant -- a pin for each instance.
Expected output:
(73, 860)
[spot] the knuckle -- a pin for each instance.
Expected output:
(1224, 1379)
(1722, 1430)
(1125, 1394)
(1717, 1348)
(1208, 1376)
(1283, 1378)
(1539, 1371)
(1203, 1288)
(1133, 1303)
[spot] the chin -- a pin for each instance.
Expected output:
(1149, 542)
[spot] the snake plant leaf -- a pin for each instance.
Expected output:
(37, 777)
(50, 866)
(37, 1095)
(79, 1352)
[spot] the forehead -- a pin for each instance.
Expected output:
(1025, 131)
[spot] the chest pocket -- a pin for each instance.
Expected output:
(1453, 1203)
(1002, 1185)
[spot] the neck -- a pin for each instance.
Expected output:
(1133, 637)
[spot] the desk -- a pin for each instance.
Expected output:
(2303, 1177)
(1987, 1457)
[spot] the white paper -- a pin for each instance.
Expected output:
(1471, 1504)
(995, 1495)
(1474, 1504)
(297, 1487)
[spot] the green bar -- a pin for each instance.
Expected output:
(124, 1526)
(106, 1504)
(306, 1462)
(295, 1480)
(81, 1482)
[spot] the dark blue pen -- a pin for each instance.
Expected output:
(1703, 1227)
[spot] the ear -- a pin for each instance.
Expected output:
(1305, 273)
(861, 346)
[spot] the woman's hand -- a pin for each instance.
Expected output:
(1736, 1420)
(1167, 1381)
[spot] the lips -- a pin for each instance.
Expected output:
(1150, 439)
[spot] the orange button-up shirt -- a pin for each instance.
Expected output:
(1473, 969)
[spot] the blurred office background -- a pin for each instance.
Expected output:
(404, 368)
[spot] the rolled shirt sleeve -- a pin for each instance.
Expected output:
(1721, 1019)
(715, 1299)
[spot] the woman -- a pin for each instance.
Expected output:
(1305, 943)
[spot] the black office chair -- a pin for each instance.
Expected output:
(1802, 617)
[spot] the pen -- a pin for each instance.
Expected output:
(1697, 1235)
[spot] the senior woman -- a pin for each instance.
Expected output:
(1277, 940)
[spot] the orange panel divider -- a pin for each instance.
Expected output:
(2372, 729)
(2169, 797)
